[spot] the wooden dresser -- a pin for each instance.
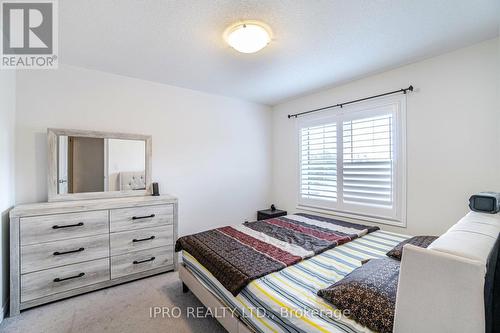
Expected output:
(62, 249)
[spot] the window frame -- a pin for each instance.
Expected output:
(395, 216)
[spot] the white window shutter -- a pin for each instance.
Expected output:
(318, 162)
(368, 147)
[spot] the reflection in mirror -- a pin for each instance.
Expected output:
(87, 164)
(126, 165)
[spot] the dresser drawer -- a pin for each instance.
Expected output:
(135, 240)
(59, 253)
(48, 228)
(140, 217)
(141, 261)
(56, 280)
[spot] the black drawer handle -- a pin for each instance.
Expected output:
(143, 239)
(143, 217)
(57, 253)
(68, 278)
(67, 226)
(141, 261)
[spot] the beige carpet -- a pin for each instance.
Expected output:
(123, 308)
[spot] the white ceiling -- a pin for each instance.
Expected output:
(317, 43)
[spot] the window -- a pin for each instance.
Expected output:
(351, 160)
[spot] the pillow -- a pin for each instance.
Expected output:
(421, 241)
(368, 293)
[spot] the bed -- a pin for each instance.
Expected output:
(286, 300)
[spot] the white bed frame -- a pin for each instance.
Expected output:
(231, 323)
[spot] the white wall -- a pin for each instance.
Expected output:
(212, 152)
(7, 122)
(452, 133)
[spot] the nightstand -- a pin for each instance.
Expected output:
(269, 214)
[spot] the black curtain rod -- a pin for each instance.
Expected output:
(404, 91)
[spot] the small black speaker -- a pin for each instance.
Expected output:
(156, 190)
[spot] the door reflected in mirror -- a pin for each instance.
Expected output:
(87, 164)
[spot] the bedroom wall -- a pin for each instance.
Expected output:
(213, 152)
(452, 133)
(7, 123)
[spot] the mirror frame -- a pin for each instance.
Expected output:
(52, 135)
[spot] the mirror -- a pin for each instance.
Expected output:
(88, 164)
(98, 164)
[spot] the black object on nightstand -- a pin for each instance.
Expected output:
(270, 213)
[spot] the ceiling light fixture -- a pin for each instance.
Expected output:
(248, 36)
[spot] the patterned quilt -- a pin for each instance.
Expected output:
(237, 255)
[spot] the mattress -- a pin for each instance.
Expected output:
(286, 301)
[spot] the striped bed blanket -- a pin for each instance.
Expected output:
(237, 255)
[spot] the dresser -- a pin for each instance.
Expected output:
(62, 249)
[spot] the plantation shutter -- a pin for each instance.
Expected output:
(368, 161)
(318, 162)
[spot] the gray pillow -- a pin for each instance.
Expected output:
(421, 241)
(369, 293)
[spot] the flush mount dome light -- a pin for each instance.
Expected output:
(248, 36)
